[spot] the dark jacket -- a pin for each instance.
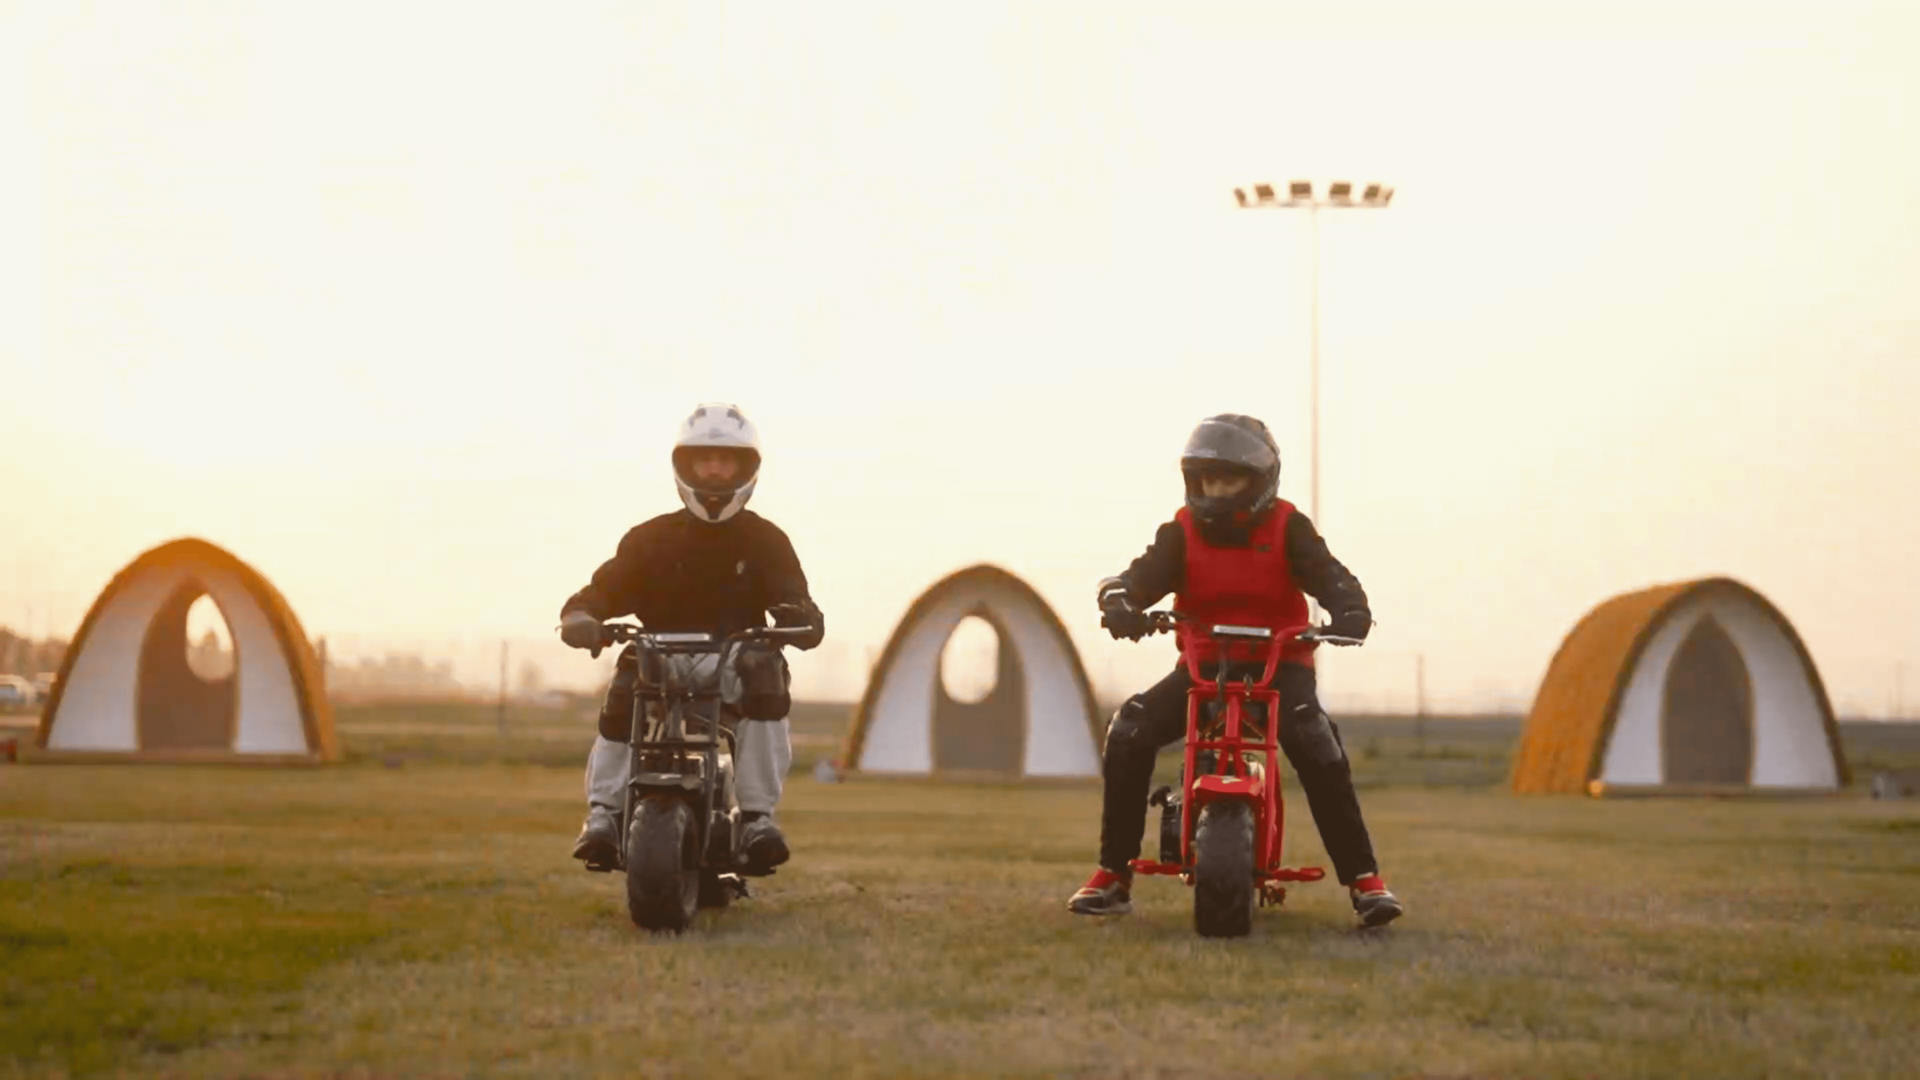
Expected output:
(1162, 568)
(680, 574)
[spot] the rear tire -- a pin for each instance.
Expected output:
(663, 891)
(1223, 870)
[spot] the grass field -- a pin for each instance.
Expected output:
(414, 912)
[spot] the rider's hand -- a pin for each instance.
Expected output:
(1119, 617)
(1351, 624)
(582, 631)
(800, 615)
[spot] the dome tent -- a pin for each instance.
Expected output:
(1696, 687)
(127, 692)
(1039, 721)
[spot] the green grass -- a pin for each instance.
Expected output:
(414, 912)
(427, 920)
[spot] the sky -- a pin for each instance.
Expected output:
(400, 303)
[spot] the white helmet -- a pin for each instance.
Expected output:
(717, 425)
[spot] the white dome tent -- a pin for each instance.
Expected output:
(127, 691)
(1699, 687)
(1039, 721)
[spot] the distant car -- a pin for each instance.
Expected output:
(15, 690)
(43, 685)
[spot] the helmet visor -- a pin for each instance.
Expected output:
(1217, 444)
(716, 469)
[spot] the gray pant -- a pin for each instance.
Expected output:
(764, 752)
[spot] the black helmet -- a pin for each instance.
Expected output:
(1231, 442)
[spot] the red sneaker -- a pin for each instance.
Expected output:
(1373, 903)
(1105, 893)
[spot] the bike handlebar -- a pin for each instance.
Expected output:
(614, 633)
(1165, 622)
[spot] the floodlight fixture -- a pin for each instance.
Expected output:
(1300, 196)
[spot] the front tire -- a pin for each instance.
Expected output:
(1223, 870)
(663, 890)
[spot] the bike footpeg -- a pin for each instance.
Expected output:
(737, 886)
(1159, 796)
(755, 871)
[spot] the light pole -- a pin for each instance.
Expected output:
(1300, 196)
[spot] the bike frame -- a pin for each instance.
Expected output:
(1234, 776)
(674, 744)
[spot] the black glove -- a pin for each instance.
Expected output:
(1353, 624)
(1119, 617)
(802, 614)
(582, 631)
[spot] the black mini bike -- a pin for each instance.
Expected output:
(680, 835)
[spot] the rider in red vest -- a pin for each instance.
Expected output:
(1236, 553)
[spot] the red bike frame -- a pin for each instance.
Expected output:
(1234, 776)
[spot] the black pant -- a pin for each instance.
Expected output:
(1158, 716)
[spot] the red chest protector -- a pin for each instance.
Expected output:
(1249, 586)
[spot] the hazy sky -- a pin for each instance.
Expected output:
(401, 302)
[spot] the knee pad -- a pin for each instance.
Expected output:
(1127, 731)
(1309, 734)
(616, 712)
(754, 682)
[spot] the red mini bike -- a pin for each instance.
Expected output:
(1221, 832)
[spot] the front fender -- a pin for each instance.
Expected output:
(1209, 788)
(649, 783)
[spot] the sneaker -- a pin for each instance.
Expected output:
(762, 845)
(599, 843)
(1105, 893)
(1374, 905)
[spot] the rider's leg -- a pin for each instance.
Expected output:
(1146, 722)
(599, 841)
(751, 681)
(760, 769)
(1312, 744)
(606, 776)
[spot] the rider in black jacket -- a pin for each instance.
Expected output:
(710, 566)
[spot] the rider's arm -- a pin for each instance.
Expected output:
(786, 587)
(1320, 575)
(615, 588)
(1158, 570)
